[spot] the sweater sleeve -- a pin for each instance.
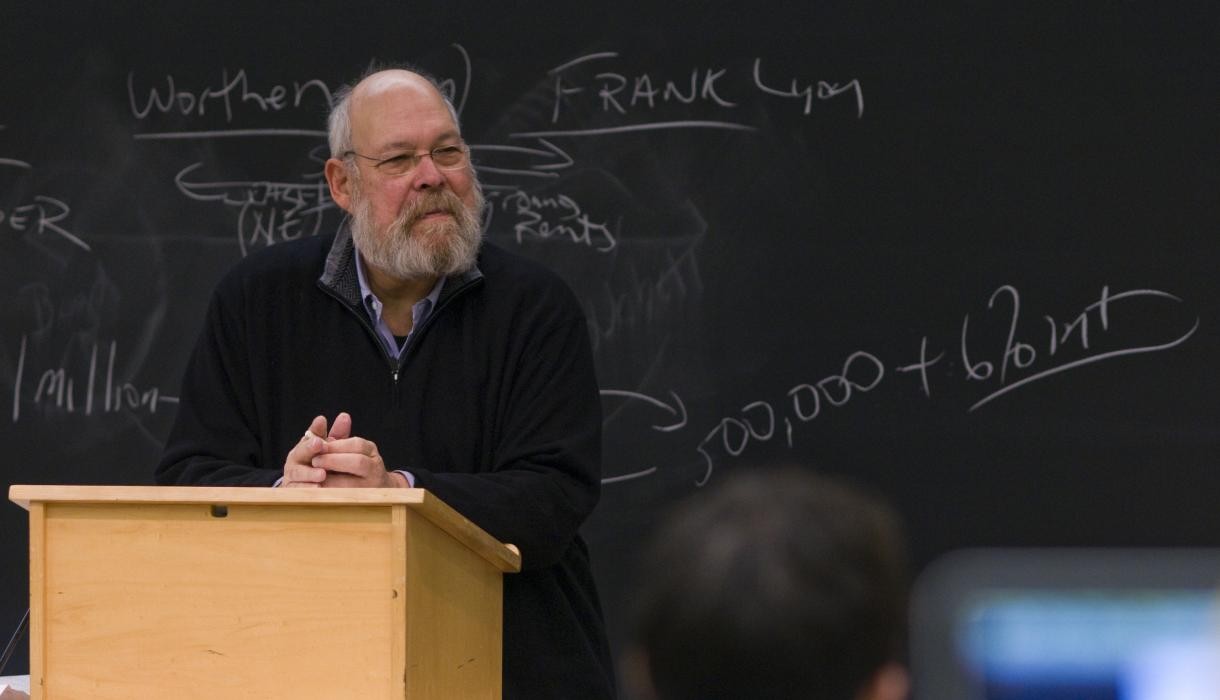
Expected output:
(213, 441)
(546, 474)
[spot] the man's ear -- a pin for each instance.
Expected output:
(891, 682)
(340, 182)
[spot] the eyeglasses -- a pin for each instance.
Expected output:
(449, 157)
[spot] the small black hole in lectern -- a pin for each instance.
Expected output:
(220, 511)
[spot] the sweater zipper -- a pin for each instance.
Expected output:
(444, 302)
(396, 366)
(363, 319)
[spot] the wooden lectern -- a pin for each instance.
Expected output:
(193, 592)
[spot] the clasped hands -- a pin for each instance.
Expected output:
(335, 459)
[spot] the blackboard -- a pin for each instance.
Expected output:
(965, 254)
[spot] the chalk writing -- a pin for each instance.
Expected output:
(922, 366)
(578, 86)
(681, 124)
(678, 410)
(676, 414)
(620, 92)
(57, 389)
(234, 93)
(1019, 362)
(757, 422)
(81, 311)
(1021, 355)
(628, 477)
(647, 302)
(42, 215)
(449, 85)
(268, 212)
(556, 216)
(539, 162)
(227, 133)
(171, 98)
(825, 90)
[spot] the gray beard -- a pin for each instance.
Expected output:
(434, 249)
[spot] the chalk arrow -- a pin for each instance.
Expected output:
(505, 160)
(629, 477)
(679, 411)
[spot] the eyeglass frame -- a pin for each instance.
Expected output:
(416, 158)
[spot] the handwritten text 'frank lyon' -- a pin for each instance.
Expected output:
(621, 91)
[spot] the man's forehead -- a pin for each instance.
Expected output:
(394, 109)
(395, 98)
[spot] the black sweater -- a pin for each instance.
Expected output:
(494, 408)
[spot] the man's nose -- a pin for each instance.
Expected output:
(427, 175)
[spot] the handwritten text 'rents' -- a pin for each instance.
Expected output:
(170, 98)
(557, 217)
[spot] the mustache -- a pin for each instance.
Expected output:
(442, 201)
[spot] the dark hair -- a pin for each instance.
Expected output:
(777, 584)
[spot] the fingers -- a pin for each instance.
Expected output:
(302, 474)
(351, 445)
(298, 467)
(301, 453)
(333, 458)
(387, 480)
(380, 479)
(351, 457)
(359, 463)
(310, 443)
(318, 425)
(342, 427)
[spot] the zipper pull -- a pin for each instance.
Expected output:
(394, 389)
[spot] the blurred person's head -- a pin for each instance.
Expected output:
(775, 584)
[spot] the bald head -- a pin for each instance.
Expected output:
(353, 103)
(393, 78)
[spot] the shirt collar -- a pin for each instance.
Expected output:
(373, 305)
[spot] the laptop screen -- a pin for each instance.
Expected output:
(1068, 624)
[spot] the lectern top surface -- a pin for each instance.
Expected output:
(505, 557)
(24, 494)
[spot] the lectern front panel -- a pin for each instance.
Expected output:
(196, 600)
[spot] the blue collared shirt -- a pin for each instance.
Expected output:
(419, 311)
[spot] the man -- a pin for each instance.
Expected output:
(775, 586)
(402, 351)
